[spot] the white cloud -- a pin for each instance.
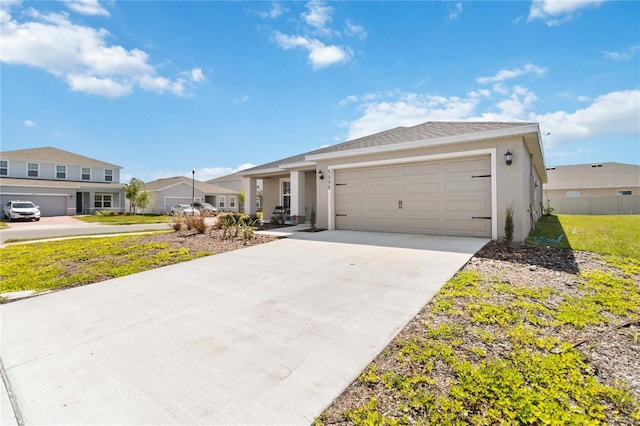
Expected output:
(320, 55)
(625, 55)
(30, 123)
(411, 109)
(614, 113)
(318, 15)
(556, 12)
(241, 99)
(82, 57)
(86, 7)
(508, 74)
(455, 11)
(353, 30)
(275, 11)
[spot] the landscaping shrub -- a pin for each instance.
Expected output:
(197, 223)
(105, 213)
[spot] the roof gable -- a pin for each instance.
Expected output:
(431, 130)
(207, 188)
(54, 155)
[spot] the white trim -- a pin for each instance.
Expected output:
(426, 143)
(82, 173)
(272, 170)
(104, 174)
(281, 198)
(418, 159)
(298, 165)
(7, 167)
(38, 170)
(55, 171)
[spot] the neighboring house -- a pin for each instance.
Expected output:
(445, 178)
(234, 182)
(180, 189)
(601, 188)
(60, 182)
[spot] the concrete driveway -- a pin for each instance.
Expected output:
(270, 334)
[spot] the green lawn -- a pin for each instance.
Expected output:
(609, 235)
(125, 219)
(57, 264)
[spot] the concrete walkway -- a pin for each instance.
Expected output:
(270, 334)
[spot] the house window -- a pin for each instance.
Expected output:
(103, 201)
(4, 168)
(86, 173)
(33, 170)
(572, 194)
(61, 172)
(108, 175)
(221, 200)
(285, 193)
(625, 192)
(232, 202)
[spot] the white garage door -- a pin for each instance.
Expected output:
(50, 205)
(451, 197)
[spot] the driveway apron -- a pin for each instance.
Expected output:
(270, 334)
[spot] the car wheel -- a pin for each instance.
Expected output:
(9, 218)
(38, 220)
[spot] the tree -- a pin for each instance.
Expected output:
(131, 191)
(241, 200)
(143, 199)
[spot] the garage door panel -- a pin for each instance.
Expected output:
(389, 189)
(383, 173)
(467, 165)
(436, 198)
(421, 170)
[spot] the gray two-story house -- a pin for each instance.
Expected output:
(60, 182)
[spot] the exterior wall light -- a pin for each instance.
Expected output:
(320, 174)
(508, 158)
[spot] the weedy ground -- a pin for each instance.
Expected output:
(523, 334)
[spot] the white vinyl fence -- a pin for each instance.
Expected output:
(609, 205)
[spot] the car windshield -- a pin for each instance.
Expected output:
(23, 206)
(184, 206)
(206, 206)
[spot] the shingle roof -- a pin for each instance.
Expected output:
(54, 155)
(600, 175)
(424, 131)
(207, 188)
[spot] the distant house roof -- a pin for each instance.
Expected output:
(54, 155)
(57, 183)
(600, 175)
(207, 188)
(437, 132)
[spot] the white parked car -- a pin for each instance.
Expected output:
(16, 210)
(184, 210)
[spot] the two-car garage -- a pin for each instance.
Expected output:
(444, 197)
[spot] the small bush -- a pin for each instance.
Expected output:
(277, 219)
(105, 213)
(176, 223)
(197, 223)
(232, 223)
(508, 224)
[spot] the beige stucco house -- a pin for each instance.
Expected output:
(444, 178)
(601, 188)
(60, 182)
(180, 189)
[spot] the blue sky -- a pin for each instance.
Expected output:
(161, 87)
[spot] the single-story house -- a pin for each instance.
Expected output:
(184, 190)
(600, 188)
(444, 178)
(60, 182)
(235, 183)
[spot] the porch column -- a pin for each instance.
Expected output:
(250, 195)
(297, 194)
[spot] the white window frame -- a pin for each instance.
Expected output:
(221, 201)
(103, 199)
(572, 194)
(232, 201)
(65, 171)
(82, 173)
(108, 177)
(283, 194)
(37, 170)
(4, 166)
(625, 192)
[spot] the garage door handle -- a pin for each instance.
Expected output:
(338, 214)
(400, 204)
(480, 217)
